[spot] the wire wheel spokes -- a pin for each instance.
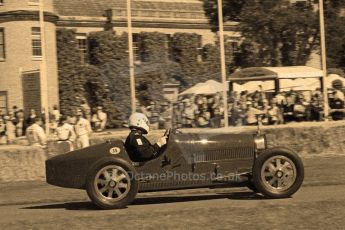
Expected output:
(112, 183)
(278, 173)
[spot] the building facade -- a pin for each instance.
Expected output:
(21, 45)
(21, 54)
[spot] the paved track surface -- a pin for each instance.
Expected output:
(320, 204)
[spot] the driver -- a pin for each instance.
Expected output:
(137, 146)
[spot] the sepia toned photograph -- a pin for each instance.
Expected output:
(172, 114)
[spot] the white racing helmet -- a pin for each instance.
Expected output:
(140, 121)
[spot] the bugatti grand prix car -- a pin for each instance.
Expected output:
(190, 160)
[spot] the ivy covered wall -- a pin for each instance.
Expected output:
(104, 81)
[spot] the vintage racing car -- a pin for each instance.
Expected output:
(190, 160)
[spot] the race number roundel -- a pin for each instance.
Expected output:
(115, 150)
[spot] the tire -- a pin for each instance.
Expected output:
(278, 173)
(111, 183)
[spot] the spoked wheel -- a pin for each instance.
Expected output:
(278, 173)
(111, 184)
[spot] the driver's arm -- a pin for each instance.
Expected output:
(146, 149)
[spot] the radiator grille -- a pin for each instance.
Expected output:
(233, 153)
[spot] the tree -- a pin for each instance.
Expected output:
(82, 82)
(275, 32)
(185, 52)
(335, 33)
(97, 93)
(108, 52)
(231, 11)
(68, 59)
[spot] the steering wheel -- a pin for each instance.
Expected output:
(167, 132)
(171, 131)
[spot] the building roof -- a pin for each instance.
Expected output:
(145, 13)
(91, 8)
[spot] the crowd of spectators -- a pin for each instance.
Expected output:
(244, 108)
(198, 111)
(15, 124)
(190, 111)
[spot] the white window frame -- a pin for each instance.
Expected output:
(235, 43)
(3, 44)
(136, 48)
(82, 50)
(36, 37)
(5, 95)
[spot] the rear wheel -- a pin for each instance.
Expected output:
(111, 184)
(278, 173)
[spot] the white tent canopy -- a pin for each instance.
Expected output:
(298, 84)
(208, 87)
(293, 72)
(290, 77)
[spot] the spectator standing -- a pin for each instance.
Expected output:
(11, 116)
(203, 119)
(83, 130)
(289, 109)
(167, 115)
(199, 101)
(65, 133)
(10, 129)
(339, 95)
(153, 115)
(265, 109)
(243, 97)
(95, 122)
(252, 114)
(177, 115)
(275, 115)
(20, 124)
(102, 117)
(217, 118)
(315, 108)
(336, 107)
(280, 99)
(35, 133)
(86, 109)
(15, 110)
(54, 118)
(55, 114)
(188, 114)
(3, 138)
(32, 116)
(299, 110)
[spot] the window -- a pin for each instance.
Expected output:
(136, 48)
(2, 44)
(3, 102)
(36, 42)
(169, 46)
(200, 48)
(234, 43)
(83, 48)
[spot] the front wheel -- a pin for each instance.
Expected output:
(278, 173)
(111, 184)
